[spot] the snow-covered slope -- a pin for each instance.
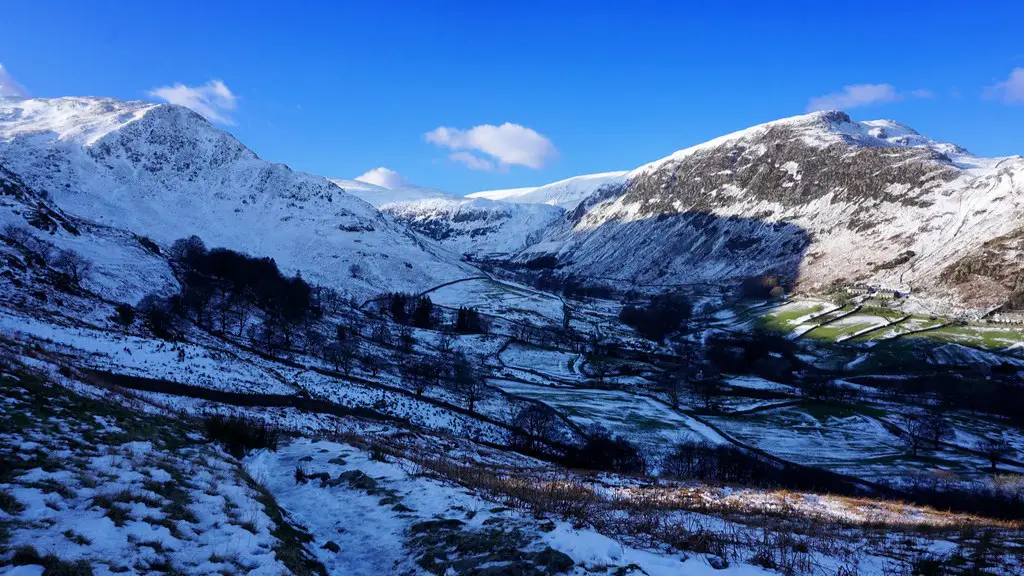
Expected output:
(381, 195)
(476, 226)
(125, 267)
(815, 199)
(566, 193)
(165, 172)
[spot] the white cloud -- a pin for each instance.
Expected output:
(1010, 91)
(385, 177)
(9, 87)
(213, 99)
(471, 161)
(508, 144)
(858, 95)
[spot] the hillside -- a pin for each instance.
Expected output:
(165, 172)
(815, 199)
(475, 226)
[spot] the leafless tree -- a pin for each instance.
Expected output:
(76, 266)
(468, 382)
(995, 449)
(538, 423)
(914, 431)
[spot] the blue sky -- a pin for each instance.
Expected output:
(340, 88)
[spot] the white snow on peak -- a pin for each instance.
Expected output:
(381, 195)
(166, 172)
(825, 128)
(566, 193)
(82, 120)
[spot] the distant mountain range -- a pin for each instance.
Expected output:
(816, 200)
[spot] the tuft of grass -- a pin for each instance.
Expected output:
(52, 564)
(10, 504)
(76, 538)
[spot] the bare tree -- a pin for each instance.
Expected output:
(381, 333)
(19, 235)
(937, 429)
(995, 449)
(468, 382)
(406, 339)
(342, 354)
(76, 266)
(371, 363)
(670, 382)
(914, 431)
(709, 388)
(445, 342)
(538, 423)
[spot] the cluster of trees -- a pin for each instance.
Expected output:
(411, 310)
(468, 321)
(420, 312)
(449, 370)
(761, 353)
(603, 451)
(997, 391)
(730, 464)
(569, 285)
(227, 290)
(663, 315)
(699, 378)
(767, 287)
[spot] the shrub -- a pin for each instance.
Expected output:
(124, 314)
(238, 434)
(77, 267)
(663, 315)
(602, 451)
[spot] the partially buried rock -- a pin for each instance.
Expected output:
(330, 546)
(553, 561)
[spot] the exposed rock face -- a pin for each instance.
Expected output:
(817, 199)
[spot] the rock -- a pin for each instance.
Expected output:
(331, 546)
(553, 561)
(717, 562)
(514, 569)
(306, 459)
(357, 479)
(436, 525)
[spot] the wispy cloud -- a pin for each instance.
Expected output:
(385, 177)
(214, 100)
(9, 87)
(470, 161)
(1009, 91)
(859, 95)
(487, 147)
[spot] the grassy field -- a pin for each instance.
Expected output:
(980, 335)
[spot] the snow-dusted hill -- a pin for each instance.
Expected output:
(476, 226)
(817, 199)
(381, 195)
(566, 193)
(165, 172)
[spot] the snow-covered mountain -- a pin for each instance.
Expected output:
(165, 172)
(476, 226)
(817, 199)
(566, 193)
(381, 195)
